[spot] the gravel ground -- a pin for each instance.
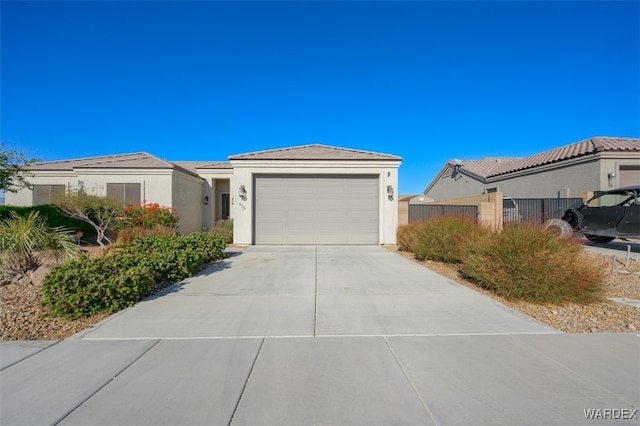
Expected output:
(22, 317)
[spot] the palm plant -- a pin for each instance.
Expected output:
(27, 242)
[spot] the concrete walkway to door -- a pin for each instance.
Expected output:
(340, 335)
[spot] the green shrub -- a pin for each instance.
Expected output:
(528, 263)
(177, 257)
(107, 284)
(442, 239)
(224, 228)
(54, 218)
(87, 286)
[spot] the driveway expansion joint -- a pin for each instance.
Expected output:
(244, 387)
(411, 383)
(106, 383)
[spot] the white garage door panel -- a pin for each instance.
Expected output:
(316, 210)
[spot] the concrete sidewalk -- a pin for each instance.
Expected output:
(326, 335)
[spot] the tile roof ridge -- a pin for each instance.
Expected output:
(310, 145)
(97, 157)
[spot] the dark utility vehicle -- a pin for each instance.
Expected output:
(607, 215)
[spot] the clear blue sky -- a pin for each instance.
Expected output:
(428, 81)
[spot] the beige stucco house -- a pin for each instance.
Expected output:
(599, 163)
(311, 194)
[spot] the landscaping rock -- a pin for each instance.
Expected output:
(38, 275)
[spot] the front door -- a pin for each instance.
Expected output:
(224, 206)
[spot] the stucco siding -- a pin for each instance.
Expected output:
(559, 180)
(578, 172)
(24, 197)
(564, 182)
(188, 202)
(153, 184)
(451, 185)
(613, 165)
(215, 183)
(244, 172)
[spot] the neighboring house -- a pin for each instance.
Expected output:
(598, 163)
(311, 194)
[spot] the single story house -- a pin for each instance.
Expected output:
(310, 194)
(599, 163)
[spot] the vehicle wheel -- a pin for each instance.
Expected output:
(598, 239)
(559, 227)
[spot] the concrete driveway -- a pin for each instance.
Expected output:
(320, 335)
(309, 291)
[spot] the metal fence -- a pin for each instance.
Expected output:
(424, 212)
(535, 210)
(539, 210)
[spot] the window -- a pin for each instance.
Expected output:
(612, 200)
(45, 194)
(128, 193)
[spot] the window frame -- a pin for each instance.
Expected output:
(124, 192)
(36, 189)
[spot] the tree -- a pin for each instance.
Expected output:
(99, 212)
(26, 242)
(13, 171)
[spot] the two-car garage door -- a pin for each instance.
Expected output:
(316, 209)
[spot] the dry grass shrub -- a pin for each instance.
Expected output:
(130, 233)
(526, 262)
(224, 228)
(406, 237)
(439, 239)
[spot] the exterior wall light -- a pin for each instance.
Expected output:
(390, 192)
(612, 179)
(206, 199)
(242, 192)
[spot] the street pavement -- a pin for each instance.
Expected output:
(618, 248)
(321, 335)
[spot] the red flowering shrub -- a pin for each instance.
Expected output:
(148, 216)
(145, 220)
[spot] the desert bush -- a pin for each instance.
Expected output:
(129, 234)
(442, 239)
(406, 237)
(99, 212)
(528, 263)
(109, 283)
(25, 243)
(224, 228)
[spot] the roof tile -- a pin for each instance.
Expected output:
(314, 152)
(138, 160)
(489, 167)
